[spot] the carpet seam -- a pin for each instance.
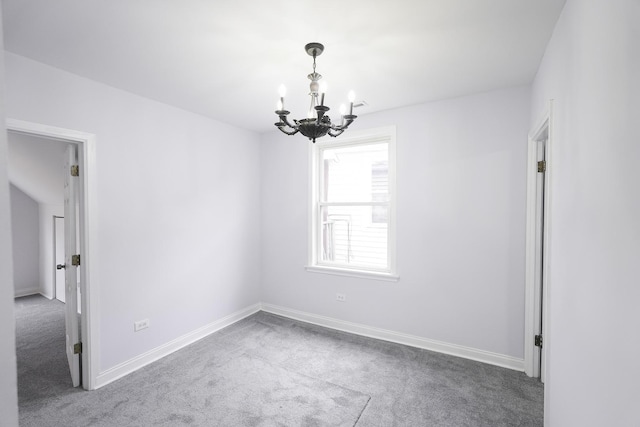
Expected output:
(309, 376)
(362, 412)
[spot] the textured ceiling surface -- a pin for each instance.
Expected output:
(226, 59)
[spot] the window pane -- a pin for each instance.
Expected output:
(380, 190)
(350, 237)
(356, 173)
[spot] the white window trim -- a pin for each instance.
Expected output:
(362, 274)
(388, 134)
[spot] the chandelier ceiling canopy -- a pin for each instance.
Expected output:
(318, 123)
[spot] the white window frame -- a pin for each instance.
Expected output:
(383, 134)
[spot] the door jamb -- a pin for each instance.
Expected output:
(86, 143)
(545, 125)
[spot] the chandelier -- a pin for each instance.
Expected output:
(317, 124)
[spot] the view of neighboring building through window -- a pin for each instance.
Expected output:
(380, 191)
(353, 204)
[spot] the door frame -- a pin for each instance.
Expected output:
(89, 317)
(532, 304)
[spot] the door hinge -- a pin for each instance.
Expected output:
(75, 259)
(538, 341)
(77, 348)
(542, 166)
(75, 170)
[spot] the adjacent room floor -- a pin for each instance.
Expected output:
(268, 370)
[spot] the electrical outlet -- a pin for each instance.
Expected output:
(341, 297)
(141, 324)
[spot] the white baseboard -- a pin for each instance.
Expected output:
(157, 353)
(400, 338)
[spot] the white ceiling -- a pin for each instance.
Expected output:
(225, 59)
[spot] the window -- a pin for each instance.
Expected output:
(352, 220)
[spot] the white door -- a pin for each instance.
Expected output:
(58, 236)
(71, 270)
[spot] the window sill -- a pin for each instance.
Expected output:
(361, 274)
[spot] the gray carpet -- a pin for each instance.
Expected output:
(267, 370)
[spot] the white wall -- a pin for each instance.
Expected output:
(35, 166)
(460, 220)
(8, 375)
(25, 233)
(178, 197)
(591, 70)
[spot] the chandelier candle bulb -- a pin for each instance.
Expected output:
(282, 91)
(352, 97)
(323, 90)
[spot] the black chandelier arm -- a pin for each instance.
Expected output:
(282, 114)
(321, 111)
(332, 132)
(283, 130)
(349, 118)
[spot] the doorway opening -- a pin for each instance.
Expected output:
(80, 208)
(537, 249)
